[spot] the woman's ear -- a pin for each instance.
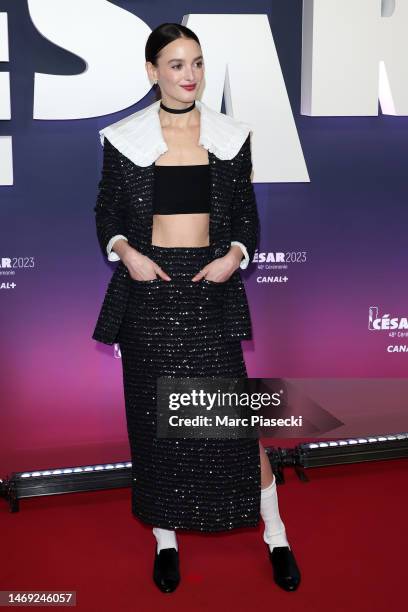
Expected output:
(151, 72)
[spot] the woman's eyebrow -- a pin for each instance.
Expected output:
(176, 59)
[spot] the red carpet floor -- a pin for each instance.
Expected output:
(347, 528)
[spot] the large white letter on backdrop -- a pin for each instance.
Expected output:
(109, 39)
(354, 54)
(6, 158)
(241, 61)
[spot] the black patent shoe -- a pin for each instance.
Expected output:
(166, 573)
(285, 570)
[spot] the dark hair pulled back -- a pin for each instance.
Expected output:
(161, 36)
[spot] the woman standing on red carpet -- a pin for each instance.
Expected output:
(176, 208)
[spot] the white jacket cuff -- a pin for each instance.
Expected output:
(112, 256)
(244, 263)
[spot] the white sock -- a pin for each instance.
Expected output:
(274, 533)
(166, 538)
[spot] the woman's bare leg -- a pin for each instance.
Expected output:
(266, 470)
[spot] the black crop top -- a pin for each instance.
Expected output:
(181, 189)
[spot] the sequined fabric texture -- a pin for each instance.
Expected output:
(175, 328)
(125, 206)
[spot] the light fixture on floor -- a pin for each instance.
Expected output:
(115, 475)
(55, 481)
(337, 452)
(352, 450)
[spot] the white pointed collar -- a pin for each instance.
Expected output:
(139, 136)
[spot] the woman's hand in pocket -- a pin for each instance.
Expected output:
(219, 270)
(141, 267)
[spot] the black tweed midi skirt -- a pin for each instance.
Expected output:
(175, 328)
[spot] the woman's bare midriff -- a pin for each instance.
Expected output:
(184, 230)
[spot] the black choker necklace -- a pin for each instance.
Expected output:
(176, 110)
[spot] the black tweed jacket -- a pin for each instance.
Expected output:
(124, 206)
